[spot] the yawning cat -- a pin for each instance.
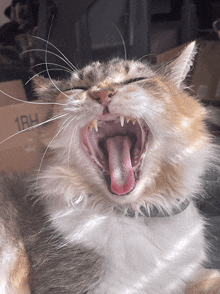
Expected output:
(112, 210)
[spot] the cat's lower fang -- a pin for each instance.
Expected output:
(122, 120)
(94, 124)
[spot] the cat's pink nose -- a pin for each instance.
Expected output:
(104, 97)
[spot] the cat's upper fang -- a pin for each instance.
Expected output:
(94, 123)
(122, 119)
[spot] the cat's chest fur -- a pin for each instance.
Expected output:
(141, 255)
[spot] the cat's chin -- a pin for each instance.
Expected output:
(116, 144)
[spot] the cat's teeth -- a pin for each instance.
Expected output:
(127, 119)
(95, 124)
(122, 120)
(90, 127)
(134, 121)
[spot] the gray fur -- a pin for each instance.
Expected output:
(57, 268)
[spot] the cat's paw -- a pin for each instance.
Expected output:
(207, 282)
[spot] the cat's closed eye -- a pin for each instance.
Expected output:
(134, 80)
(77, 88)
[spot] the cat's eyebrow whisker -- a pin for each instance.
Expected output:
(31, 102)
(66, 59)
(62, 128)
(34, 127)
(123, 41)
(163, 65)
(149, 54)
(46, 70)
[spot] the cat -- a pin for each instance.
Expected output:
(112, 207)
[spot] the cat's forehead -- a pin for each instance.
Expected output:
(115, 70)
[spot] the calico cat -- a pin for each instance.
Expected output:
(112, 207)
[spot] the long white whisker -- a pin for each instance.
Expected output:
(43, 50)
(31, 102)
(46, 61)
(145, 56)
(66, 59)
(50, 63)
(33, 127)
(45, 70)
(163, 65)
(48, 146)
(122, 41)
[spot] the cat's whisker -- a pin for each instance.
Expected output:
(46, 70)
(209, 203)
(123, 41)
(50, 52)
(163, 66)
(62, 128)
(51, 63)
(66, 59)
(149, 54)
(31, 102)
(34, 127)
(46, 63)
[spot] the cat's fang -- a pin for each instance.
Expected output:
(95, 124)
(90, 127)
(127, 119)
(122, 120)
(134, 121)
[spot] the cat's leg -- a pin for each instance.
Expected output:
(15, 269)
(207, 282)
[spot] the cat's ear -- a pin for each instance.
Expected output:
(41, 85)
(177, 70)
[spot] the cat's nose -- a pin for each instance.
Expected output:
(104, 97)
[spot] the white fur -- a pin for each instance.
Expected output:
(142, 255)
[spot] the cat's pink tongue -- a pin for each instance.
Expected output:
(121, 172)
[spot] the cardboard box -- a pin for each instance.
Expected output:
(205, 75)
(15, 88)
(19, 138)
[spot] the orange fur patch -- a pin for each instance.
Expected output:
(167, 181)
(21, 275)
(207, 284)
(186, 115)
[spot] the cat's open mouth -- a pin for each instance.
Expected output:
(116, 144)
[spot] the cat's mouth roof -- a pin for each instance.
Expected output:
(116, 144)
